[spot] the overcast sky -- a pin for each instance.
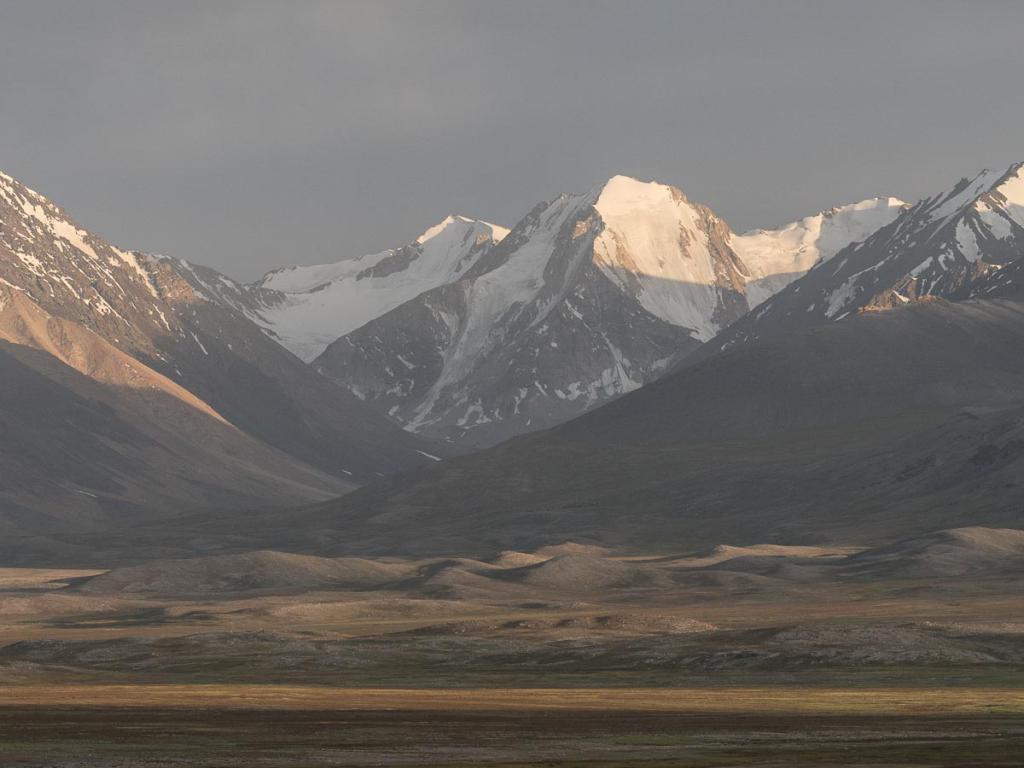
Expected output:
(249, 135)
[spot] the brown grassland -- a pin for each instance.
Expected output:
(571, 657)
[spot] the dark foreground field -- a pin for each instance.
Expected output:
(939, 731)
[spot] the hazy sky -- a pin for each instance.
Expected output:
(248, 135)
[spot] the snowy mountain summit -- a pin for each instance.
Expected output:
(306, 308)
(588, 297)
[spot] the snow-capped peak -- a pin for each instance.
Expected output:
(824, 234)
(686, 262)
(1006, 194)
(776, 257)
(668, 252)
(963, 194)
(623, 196)
(650, 220)
(459, 226)
(989, 189)
(319, 304)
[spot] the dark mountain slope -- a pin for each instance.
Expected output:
(960, 552)
(884, 424)
(80, 456)
(1006, 281)
(933, 355)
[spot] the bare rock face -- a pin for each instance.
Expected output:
(587, 298)
(1008, 280)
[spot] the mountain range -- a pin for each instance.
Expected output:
(587, 298)
(475, 333)
(705, 380)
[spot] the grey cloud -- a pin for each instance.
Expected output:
(248, 135)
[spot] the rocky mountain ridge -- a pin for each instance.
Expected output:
(950, 245)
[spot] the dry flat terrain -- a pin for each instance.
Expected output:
(909, 654)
